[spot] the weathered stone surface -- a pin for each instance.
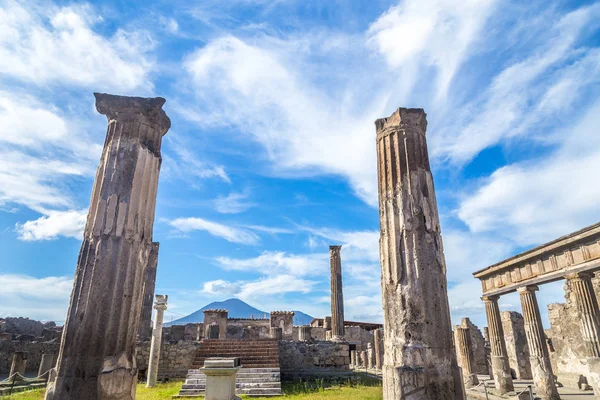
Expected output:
(353, 358)
(543, 377)
(419, 361)
(378, 341)
(22, 326)
(145, 331)
(314, 359)
(337, 295)
(46, 364)
(517, 347)
(160, 306)
(462, 338)
(216, 317)
(285, 321)
(477, 340)
(304, 333)
(97, 355)
(500, 366)
(212, 331)
(19, 363)
(370, 356)
(327, 323)
(276, 333)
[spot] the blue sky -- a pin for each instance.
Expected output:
(271, 154)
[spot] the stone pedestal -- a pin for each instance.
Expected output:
(419, 358)
(378, 340)
(154, 359)
(97, 353)
(500, 366)
(337, 296)
(543, 378)
(145, 331)
(220, 378)
(19, 363)
(276, 333)
(465, 360)
(46, 364)
(212, 332)
(304, 334)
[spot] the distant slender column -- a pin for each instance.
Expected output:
(589, 314)
(465, 361)
(378, 348)
(304, 333)
(543, 378)
(353, 358)
(19, 363)
(364, 362)
(153, 362)
(327, 323)
(419, 361)
(500, 365)
(145, 330)
(370, 356)
(46, 364)
(276, 333)
(337, 296)
(97, 353)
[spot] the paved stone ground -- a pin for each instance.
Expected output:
(520, 385)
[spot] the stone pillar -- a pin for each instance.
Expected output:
(145, 331)
(364, 362)
(500, 367)
(212, 331)
(419, 354)
(19, 363)
(97, 353)
(276, 333)
(327, 335)
(370, 356)
(515, 340)
(377, 338)
(46, 364)
(337, 295)
(154, 359)
(216, 317)
(587, 306)
(327, 323)
(465, 361)
(353, 358)
(543, 378)
(304, 333)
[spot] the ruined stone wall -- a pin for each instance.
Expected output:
(175, 358)
(34, 350)
(359, 336)
(310, 360)
(248, 328)
(513, 325)
(315, 333)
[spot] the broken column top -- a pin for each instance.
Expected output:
(125, 107)
(335, 249)
(404, 117)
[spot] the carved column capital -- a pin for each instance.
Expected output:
(490, 299)
(528, 289)
(134, 108)
(580, 276)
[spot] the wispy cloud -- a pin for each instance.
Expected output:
(229, 233)
(55, 224)
(233, 203)
(272, 262)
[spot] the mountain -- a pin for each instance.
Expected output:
(237, 309)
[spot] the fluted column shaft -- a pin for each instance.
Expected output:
(145, 330)
(419, 360)
(97, 353)
(378, 348)
(465, 361)
(541, 368)
(589, 314)
(500, 366)
(337, 296)
(154, 360)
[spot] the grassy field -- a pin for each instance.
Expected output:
(368, 390)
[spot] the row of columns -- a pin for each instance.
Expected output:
(543, 376)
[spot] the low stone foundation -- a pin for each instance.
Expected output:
(316, 359)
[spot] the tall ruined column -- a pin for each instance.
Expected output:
(466, 362)
(97, 353)
(337, 296)
(154, 360)
(419, 361)
(378, 348)
(543, 378)
(587, 306)
(500, 367)
(145, 330)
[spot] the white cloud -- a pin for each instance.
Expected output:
(278, 262)
(185, 164)
(41, 43)
(56, 223)
(220, 286)
(231, 234)
(37, 298)
(233, 203)
(256, 290)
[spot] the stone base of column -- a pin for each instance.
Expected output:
(413, 383)
(470, 380)
(545, 388)
(594, 375)
(501, 375)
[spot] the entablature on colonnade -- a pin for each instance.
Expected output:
(573, 253)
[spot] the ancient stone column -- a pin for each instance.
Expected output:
(145, 331)
(327, 335)
(46, 364)
(500, 367)
(337, 296)
(419, 354)
(370, 356)
(276, 333)
(19, 363)
(543, 378)
(212, 332)
(154, 359)
(364, 362)
(97, 353)
(465, 361)
(486, 335)
(304, 333)
(327, 323)
(587, 306)
(378, 348)
(353, 358)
